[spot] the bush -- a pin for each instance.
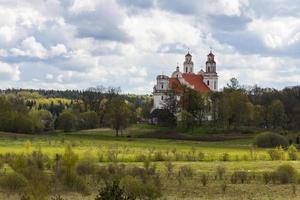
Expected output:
(13, 182)
(86, 167)
(239, 177)
(224, 157)
(186, 171)
(169, 168)
(136, 188)
(276, 154)
(204, 179)
(292, 152)
(286, 174)
(267, 177)
(220, 172)
(267, 140)
(112, 191)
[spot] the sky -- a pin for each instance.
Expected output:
(77, 44)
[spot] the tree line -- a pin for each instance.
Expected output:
(234, 107)
(23, 111)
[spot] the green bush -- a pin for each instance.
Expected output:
(267, 140)
(13, 182)
(239, 177)
(220, 172)
(292, 152)
(224, 157)
(112, 191)
(267, 177)
(277, 153)
(136, 188)
(86, 166)
(204, 179)
(286, 174)
(186, 171)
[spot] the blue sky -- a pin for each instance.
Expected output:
(76, 44)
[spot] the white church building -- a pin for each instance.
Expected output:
(202, 81)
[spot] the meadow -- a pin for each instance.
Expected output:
(196, 160)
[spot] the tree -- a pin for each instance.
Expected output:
(117, 114)
(276, 114)
(88, 120)
(67, 120)
(233, 84)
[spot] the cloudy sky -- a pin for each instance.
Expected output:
(75, 44)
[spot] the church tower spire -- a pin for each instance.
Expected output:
(188, 65)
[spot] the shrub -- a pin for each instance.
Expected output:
(276, 154)
(267, 177)
(204, 179)
(220, 172)
(239, 176)
(112, 191)
(158, 156)
(136, 188)
(286, 174)
(86, 166)
(268, 139)
(224, 157)
(13, 182)
(57, 197)
(292, 152)
(169, 168)
(186, 171)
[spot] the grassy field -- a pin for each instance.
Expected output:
(131, 149)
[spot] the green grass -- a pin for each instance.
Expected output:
(102, 141)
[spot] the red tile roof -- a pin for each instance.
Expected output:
(175, 85)
(196, 81)
(192, 79)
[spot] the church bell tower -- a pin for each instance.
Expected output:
(188, 65)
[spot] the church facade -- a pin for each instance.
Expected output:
(202, 81)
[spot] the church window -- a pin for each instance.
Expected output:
(207, 82)
(215, 85)
(162, 86)
(162, 97)
(186, 70)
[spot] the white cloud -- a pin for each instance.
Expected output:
(9, 72)
(58, 50)
(83, 6)
(31, 48)
(277, 32)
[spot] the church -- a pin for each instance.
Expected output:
(202, 81)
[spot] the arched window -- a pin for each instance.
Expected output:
(207, 82)
(162, 86)
(162, 97)
(215, 85)
(186, 70)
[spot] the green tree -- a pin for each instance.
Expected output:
(276, 114)
(67, 120)
(117, 114)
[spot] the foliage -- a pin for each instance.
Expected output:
(268, 139)
(286, 174)
(112, 191)
(67, 120)
(293, 152)
(117, 114)
(13, 182)
(277, 153)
